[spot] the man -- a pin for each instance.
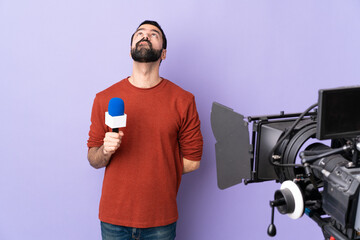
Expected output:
(144, 161)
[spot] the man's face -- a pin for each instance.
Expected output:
(147, 44)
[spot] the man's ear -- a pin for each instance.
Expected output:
(163, 54)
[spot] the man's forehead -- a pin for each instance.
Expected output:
(148, 27)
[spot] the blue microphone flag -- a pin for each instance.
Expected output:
(116, 107)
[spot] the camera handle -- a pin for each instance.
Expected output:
(285, 203)
(288, 200)
(272, 229)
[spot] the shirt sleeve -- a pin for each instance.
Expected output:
(97, 127)
(190, 137)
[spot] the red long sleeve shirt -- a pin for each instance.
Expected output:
(143, 176)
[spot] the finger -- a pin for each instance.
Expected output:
(111, 139)
(111, 149)
(115, 135)
(112, 135)
(115, 144)
(108, 151)
(112, 143)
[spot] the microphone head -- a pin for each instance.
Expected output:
(116, 107)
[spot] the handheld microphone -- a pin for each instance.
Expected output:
(115, 117)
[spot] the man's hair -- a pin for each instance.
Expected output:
(156, 25)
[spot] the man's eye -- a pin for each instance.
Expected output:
(139, 33)
(154, 35)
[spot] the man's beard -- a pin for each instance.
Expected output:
(145, 54)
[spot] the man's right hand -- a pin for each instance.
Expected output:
(112, 142)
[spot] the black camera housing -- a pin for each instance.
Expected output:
(328, 177)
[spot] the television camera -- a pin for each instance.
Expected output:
(318, 178)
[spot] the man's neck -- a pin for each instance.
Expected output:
(145, 75)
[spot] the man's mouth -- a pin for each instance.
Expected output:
(144, 43)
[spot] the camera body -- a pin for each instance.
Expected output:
(317, 178)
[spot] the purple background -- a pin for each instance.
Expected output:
(256, 56)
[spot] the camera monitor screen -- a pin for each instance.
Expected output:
(338, 113)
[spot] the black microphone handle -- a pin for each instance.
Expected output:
(115, 130)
